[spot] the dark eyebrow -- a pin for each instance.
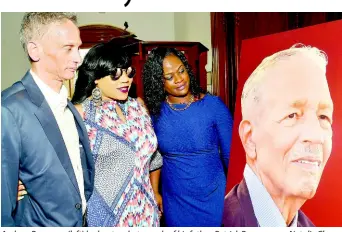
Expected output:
(177, 69)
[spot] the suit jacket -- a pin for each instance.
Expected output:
(33, 150)
(238, 209)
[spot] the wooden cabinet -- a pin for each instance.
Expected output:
(195, 52)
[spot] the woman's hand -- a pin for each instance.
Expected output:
(154, 178)
(21, 191)
(159, 201)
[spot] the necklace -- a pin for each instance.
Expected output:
(187, 105)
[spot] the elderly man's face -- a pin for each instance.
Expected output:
(293, 134)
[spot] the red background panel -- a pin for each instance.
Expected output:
(325, 209)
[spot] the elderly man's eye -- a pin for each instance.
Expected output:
(325, 118)
(293, 115)
(290, 119)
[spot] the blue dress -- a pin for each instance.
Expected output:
(195, 145)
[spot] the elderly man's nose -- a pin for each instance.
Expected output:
(312, 131)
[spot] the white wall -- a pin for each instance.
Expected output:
(152, 26)
(14, 62)
(194, 26)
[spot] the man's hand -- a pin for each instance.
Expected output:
(21, 191)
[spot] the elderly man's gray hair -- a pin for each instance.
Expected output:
(250, 94)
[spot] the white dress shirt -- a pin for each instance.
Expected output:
(66, 122)
(265, 210)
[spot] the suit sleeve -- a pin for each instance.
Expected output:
(10, 153)
(224, 127)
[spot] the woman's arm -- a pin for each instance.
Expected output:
(154, 178)
(224, 126)
(155, 165)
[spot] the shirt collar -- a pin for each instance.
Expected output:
(265, 210)
(57, 101)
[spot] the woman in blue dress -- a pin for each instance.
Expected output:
(194, 132)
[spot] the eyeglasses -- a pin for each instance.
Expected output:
(119, 71)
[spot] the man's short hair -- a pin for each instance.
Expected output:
(251, 95)
(34, 24)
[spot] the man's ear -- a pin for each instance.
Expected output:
(33, 51)
(245, 132)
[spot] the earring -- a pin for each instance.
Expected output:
(97, 96)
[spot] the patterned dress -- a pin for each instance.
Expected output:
(124, 154)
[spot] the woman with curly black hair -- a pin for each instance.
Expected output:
(194, 132)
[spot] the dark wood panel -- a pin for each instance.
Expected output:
(229, 29)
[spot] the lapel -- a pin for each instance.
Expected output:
(246, 205)
(85, 152)
(82, 132)
(49, 124)
(303, 220)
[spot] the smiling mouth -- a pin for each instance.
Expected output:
(308, 163)
(314, 163)
(181, 87)
(123, 89)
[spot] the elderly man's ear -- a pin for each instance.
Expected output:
(245, 132)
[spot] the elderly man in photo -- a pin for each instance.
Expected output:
(286, 132)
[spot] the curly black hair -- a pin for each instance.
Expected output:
(101, 60)
(152, 76)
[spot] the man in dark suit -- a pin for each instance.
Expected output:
(44, 141)
(286, 132)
